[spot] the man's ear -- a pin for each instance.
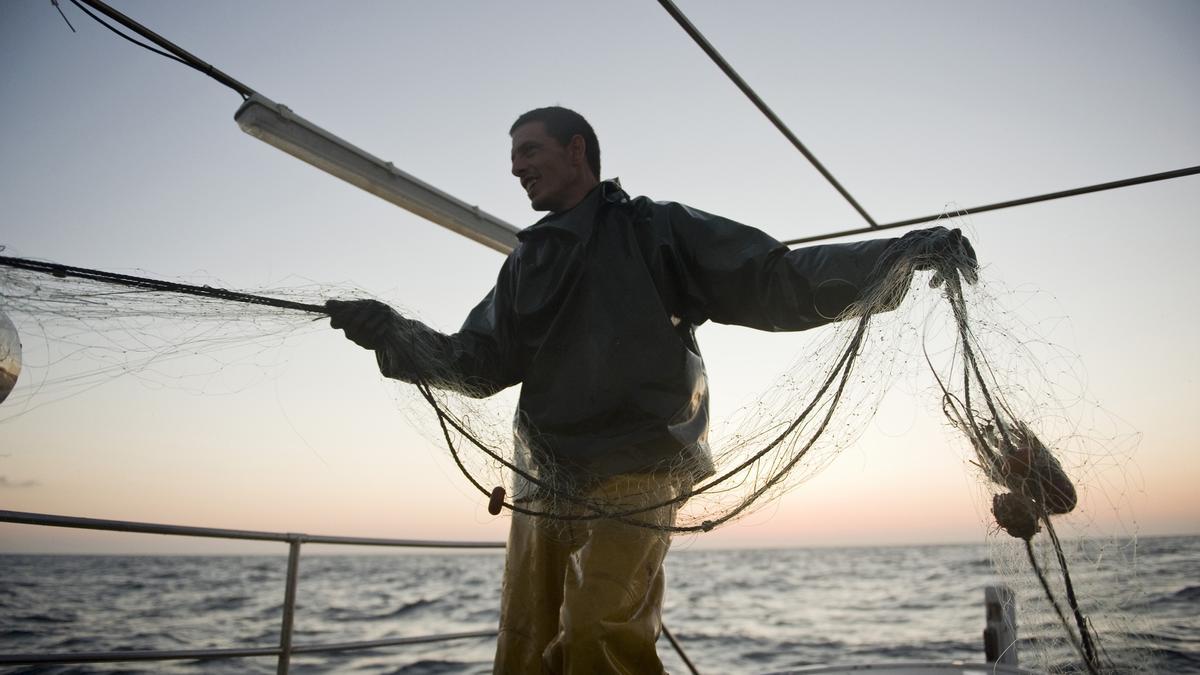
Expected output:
(577, 149)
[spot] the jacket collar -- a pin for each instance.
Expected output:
(579, 220)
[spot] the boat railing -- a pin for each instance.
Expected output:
(285, 649)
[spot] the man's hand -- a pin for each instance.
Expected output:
(939, 249)
(366, 322)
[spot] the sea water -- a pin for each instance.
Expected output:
(736, 611)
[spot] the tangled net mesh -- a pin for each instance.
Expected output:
(1039, 449)
(78, 334)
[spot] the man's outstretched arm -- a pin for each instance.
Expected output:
(740, 275)
(476, 361)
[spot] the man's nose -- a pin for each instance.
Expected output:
(518, 166)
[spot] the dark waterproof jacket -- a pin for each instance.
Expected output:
(594, 313)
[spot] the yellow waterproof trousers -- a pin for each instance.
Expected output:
(585, 597)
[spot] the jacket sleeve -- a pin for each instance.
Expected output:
(737, 274)
(479, 360)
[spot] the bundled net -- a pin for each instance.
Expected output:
(1039, 448)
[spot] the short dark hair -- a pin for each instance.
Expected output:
(562, 124)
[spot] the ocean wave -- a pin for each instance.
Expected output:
(1176, 661)
(933, 650)
(270, 611)
(353, 614)
(76, 642)
(432, 667)
(220, 603)
(489, 616)
(811, 651)
(1188, 594)
(64, 617)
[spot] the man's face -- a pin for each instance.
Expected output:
(550, 172)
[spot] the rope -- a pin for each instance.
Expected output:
(147, 284)
(1062, 617)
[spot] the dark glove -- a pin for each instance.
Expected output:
(366, 322)
(944, 251)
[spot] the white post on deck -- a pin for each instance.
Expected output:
(1000, 633)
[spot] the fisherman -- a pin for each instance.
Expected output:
(594, 314)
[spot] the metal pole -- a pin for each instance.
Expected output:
(286, 646)
(289, 605)
(51, 520)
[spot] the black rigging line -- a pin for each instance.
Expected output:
(1099, 187)
(143, 283)
(169, 49)
(704, 44)
(123, 36)
(64, 16)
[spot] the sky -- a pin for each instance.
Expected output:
(117, 159)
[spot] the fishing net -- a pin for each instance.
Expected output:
(79, 331)
(1039, 448)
